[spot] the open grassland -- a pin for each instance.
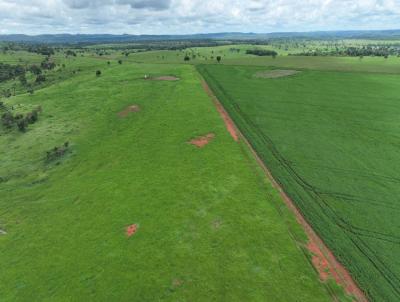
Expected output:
(390, 65)
(331, 139)
(209, 226)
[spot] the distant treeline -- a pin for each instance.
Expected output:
(376, 51)
(42, 49)
(262, 52)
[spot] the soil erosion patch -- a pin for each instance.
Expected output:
(129, 109)
(164, 78)
(273, 74)
(131, 230)
(201, 141)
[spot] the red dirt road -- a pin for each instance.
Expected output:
(230, 126)
(323, 259)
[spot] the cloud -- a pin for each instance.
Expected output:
(138, 4)
(192, 16)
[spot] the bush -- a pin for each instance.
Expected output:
(40, 78)
(98, 73)
(57, 152)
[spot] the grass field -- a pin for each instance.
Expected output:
(331, 139)
(210, 226)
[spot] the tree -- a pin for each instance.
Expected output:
(40, 79)
(187, 58)
(22, 79)
(219, 58)
(22, 124)
(98, 73)
(35, 70)
(119, 61)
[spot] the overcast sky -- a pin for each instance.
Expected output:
(194, 16)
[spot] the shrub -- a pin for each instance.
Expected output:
(98, 73)
(57, 152)
(40, 79)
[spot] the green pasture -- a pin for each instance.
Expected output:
(210, 226)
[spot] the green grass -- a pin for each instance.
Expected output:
(211, 227)
(332, 140)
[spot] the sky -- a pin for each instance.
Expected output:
(194, 16)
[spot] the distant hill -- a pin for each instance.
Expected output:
(107, 38)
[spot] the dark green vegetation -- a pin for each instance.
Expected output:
(210, 227)
(331, 139)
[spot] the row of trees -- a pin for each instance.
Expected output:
(262, 52)
(353, 52)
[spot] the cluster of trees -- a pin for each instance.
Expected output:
(9, 72)
(45, 50)
(262, 52)
(48, 64)
(9, 120)
(71, 53)
(57, 152)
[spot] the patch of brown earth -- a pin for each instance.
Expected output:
(230, 126)
(177, 283)
(323, 259)
(164, 78)
(201, 141)
(131, 230)
(277, 73)
(216, 224)
(129, 109)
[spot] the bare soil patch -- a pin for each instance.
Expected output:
(201, 141)
(164, 78)
(230, 126)
(277, 73)
(129, 109)
(131, 230)
(323, 259)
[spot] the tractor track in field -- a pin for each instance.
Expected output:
(323, 259)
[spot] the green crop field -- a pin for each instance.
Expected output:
(210, 227)
(331, 139)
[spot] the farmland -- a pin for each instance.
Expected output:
(331, 140)
(124, 208)
(120, 182)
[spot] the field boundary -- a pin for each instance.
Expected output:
(336, 270)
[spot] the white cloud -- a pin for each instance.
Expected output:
(190, 16)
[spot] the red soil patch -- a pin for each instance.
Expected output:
(129, 109)
(230, 126)
(131, 230)
(202, 140)
(323, 259)
(164, 78)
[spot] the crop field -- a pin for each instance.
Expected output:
(331, 140)
(132, 189)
